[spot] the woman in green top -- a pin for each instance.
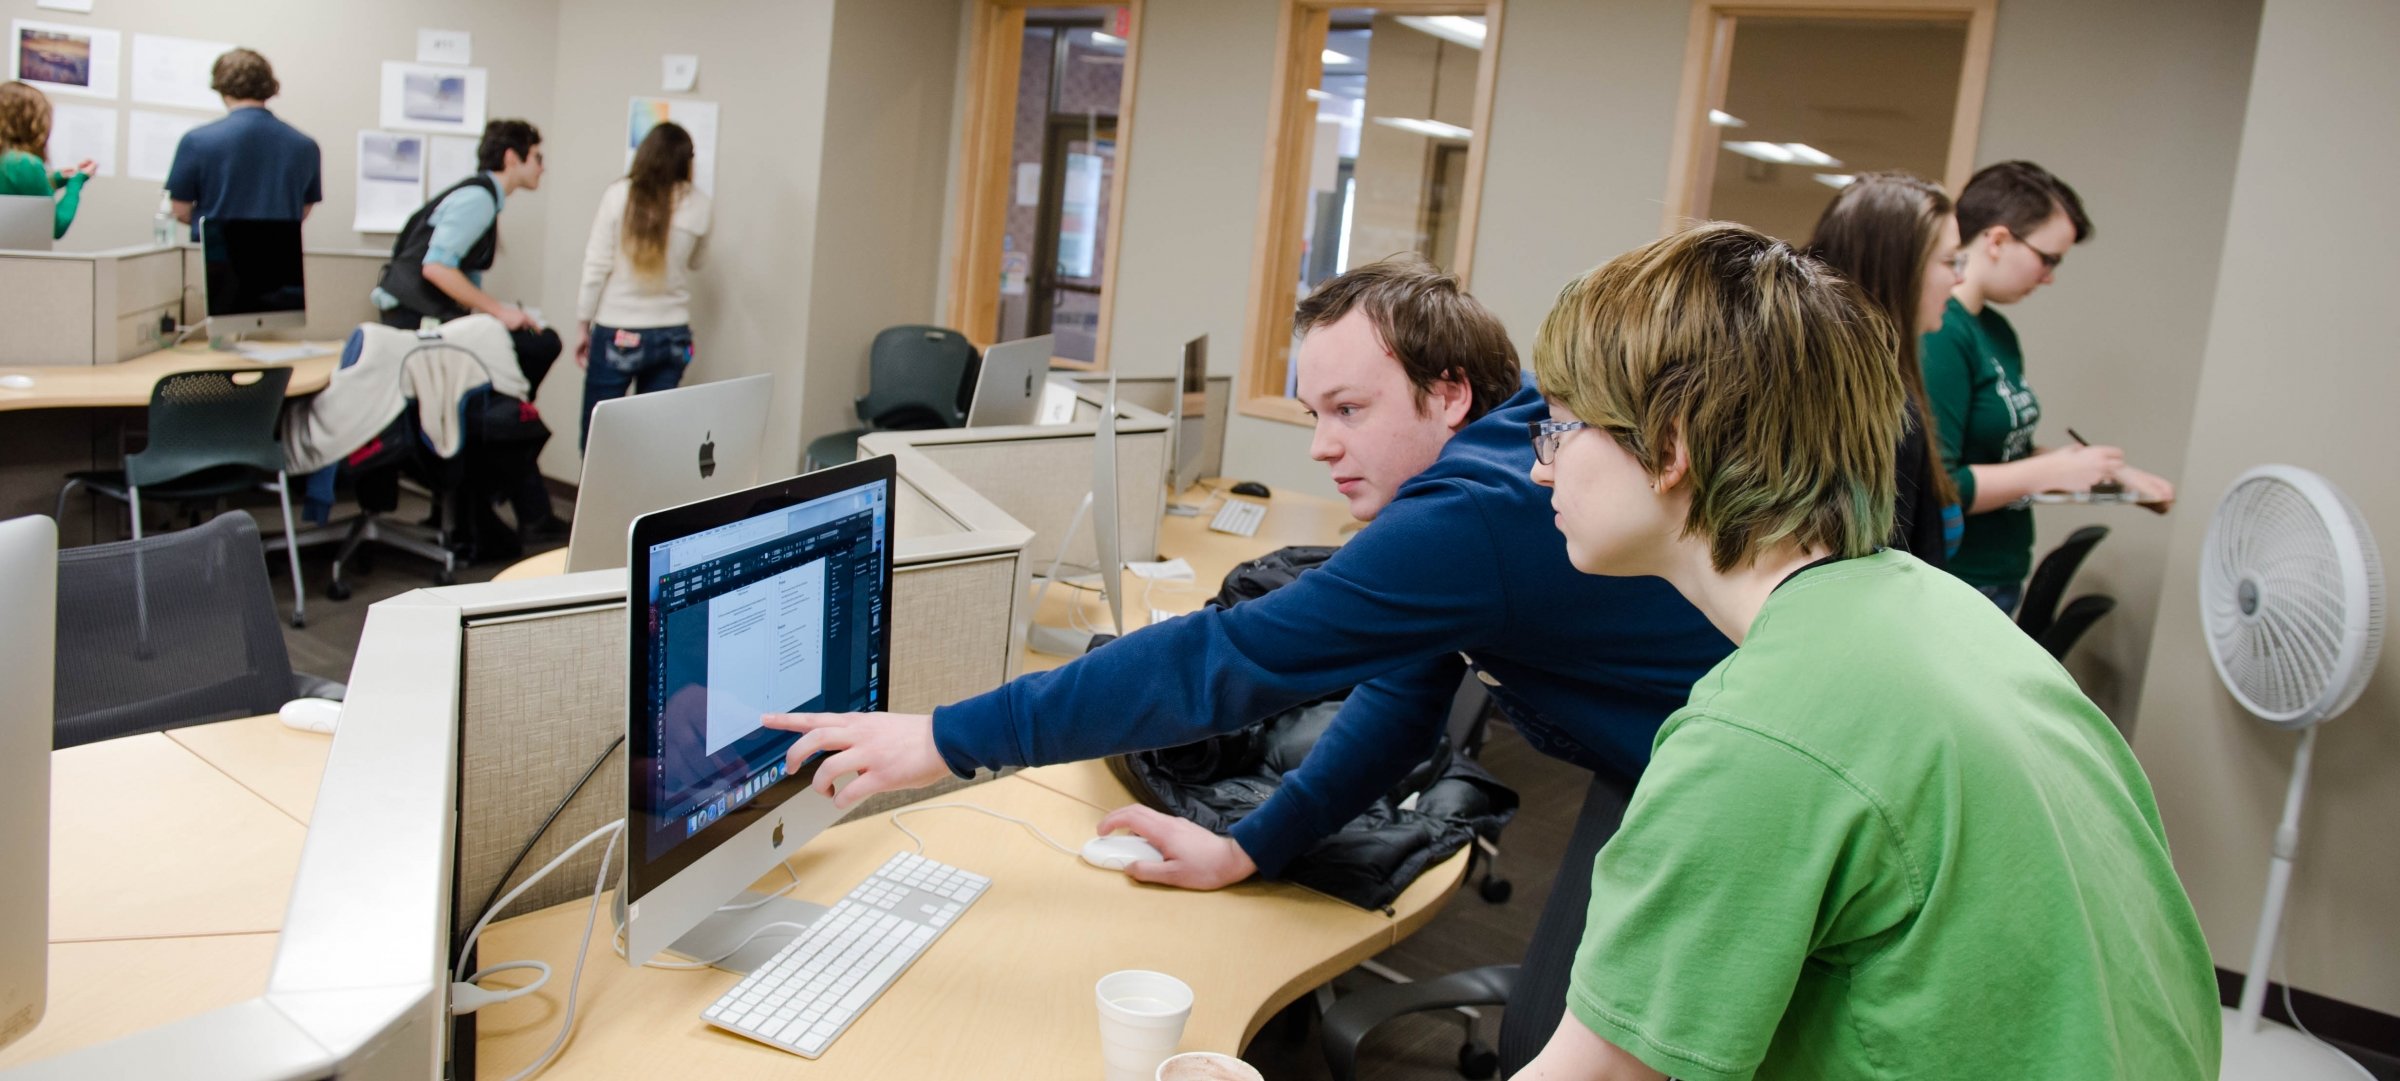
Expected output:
(2015, 222)
(1851, 856)
(25, 146)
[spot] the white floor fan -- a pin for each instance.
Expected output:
(2291, 595)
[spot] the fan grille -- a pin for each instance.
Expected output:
(2293, 609)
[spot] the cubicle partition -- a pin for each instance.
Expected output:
(96, 307)
(472, 710)
(1156, 393)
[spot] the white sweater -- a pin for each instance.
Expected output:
(613, 295)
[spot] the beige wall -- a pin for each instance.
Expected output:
(2296, 370)
(765, 65)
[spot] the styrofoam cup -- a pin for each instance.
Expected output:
(1207, 1066)
(1141, 1021)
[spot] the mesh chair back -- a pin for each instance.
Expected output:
(167, 631)
(2050, 577)
(918, 377)
(209, 420)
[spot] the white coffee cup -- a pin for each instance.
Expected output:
(1141, 1021)
(1207, 1066)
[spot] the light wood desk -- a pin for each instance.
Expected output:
(171, 858)
(128, 384)
(1006, 991)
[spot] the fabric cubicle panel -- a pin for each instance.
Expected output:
(1040, 481)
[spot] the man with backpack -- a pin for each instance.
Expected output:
(1421, 414)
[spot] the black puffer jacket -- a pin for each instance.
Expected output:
(1371, 859)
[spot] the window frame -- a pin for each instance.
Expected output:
(1291, 126)
(986, 169)
(1708, 46)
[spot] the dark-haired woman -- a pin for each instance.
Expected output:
(636, 302)
(1892, 234)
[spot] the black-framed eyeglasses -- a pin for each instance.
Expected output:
(2049, 261)
(1546, 435)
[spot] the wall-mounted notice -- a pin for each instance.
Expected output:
(79, 6)
(680, 72)
(696, 117)
(445, 47)
(175, 71)
(426, 97)
(151, 139)
(80, 133)
(448, 160)
(59, 58)
(391, 180)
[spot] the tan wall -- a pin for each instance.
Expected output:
(2296, 371)
(765, 66)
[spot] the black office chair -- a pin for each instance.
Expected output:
(918, 377)
(2076, 618)
(2049, 582)
(212, 435)
(168, 631)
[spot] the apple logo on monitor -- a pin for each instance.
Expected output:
(708, 459)
(778, 838)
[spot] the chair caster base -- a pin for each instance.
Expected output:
(1477, 1062)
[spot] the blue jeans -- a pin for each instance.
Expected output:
(2007, 596)
(653, 363)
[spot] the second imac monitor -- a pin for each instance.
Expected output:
(254, 276)
(1190, 425)
(771, 600)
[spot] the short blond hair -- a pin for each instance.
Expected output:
(1777, 374)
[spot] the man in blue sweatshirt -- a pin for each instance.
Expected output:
(1421, 414)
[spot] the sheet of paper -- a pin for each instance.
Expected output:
(699, 118)
(432, 97)
(449, 160)
(83, 6)
(80, 132)
(64, 58)
(175, 71)
(445, 47)
(679, 72)
(150, 141)
(1029, 183)
(391, 180)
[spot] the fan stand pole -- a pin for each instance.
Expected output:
(2279, 883)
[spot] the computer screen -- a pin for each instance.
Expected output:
(1191, 416)
(254, 279)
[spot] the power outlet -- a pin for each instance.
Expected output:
(166, 324)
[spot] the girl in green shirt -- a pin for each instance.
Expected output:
(1851, 857)
(25, 145)
(2015, 222)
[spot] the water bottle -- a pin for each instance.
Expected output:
(162, 224)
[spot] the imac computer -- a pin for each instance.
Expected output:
(1008, 388)
(1107, 548)
(770, 600)
(254, 280)
(26, 222)
(1187, 425)
(659, 450)
(28, 640)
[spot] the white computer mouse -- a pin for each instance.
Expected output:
(14, 381)
(1118, 851)
(311, 714)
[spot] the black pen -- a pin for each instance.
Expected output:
(2077, 438)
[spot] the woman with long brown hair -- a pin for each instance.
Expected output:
(25, 150)
(636, 301)
(1893, 235)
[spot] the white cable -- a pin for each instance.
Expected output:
(2288, 1011)
(748, 905)
(502, 904)
(591, 919)
(1029, 827)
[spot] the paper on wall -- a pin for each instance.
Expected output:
(435, 98)
(391, 180)
(83, 6)
(450, 159)
(64, 58)
(445, 47)
(696, 117)
(678, 72)
(83, 132)
(176, 71)
(151, 139)
(1029, 183)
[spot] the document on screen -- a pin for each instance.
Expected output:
(766, 651)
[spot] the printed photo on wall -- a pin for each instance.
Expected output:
(433, 98)
(61, 59)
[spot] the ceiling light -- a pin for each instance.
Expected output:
(1433, 128)
(1811, 155)
(1783, 153)
(1724, 119)
(1333, 59)
(1315, 94)
(1835, 180)
(1451, 28)
(1107, 40)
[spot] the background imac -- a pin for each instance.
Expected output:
(653, 451)
(253, 275)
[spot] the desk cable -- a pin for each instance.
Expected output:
(1029, 827)
(466, 997)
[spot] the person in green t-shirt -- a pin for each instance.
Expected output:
(1851, 856)
(2015, 222)
(24, 148)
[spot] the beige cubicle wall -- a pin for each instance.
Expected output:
(1156, 393)
(89, 307)
(1038, 474)
(339, 280)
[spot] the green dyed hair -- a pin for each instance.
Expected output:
(1778, 375)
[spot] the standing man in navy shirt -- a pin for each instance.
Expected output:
(1422, 416)
(248, 165)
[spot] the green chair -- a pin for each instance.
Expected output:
(212, 435)
(917, 377)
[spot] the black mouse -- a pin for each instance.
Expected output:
(1252, 488)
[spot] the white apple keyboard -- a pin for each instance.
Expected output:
(1239, 517)
(811, 990)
